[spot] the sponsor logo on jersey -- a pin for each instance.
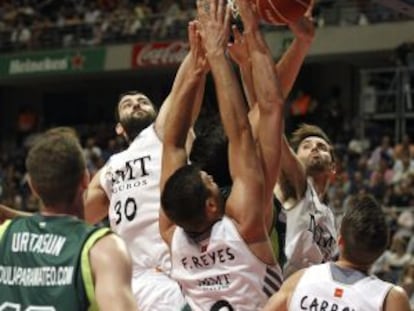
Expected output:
(322, 237)
(132, 174)
(339, 292)
(217, 282)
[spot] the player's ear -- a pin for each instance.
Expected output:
(211, 206)
(333, 169)
(340, 241)
(32, 187)
(85, 179)
(119, 130)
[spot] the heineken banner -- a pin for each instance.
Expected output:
(68, 61)
(159, 54)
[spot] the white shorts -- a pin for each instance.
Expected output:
(156, 291)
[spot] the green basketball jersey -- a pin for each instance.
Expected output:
(44, 264)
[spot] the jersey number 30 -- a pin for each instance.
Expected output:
(127, 210)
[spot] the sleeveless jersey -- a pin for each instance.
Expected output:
(44, 264)
(330, 287)
(310, 233)
(277, 232)
(221, 271)
(131, 181)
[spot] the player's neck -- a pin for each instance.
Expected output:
(201, 235)
(60, 210)
(320, 183)
(343, 263)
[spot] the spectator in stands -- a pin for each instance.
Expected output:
(403, 167)
(172, 13)
(92, 13)
(357, 183)
(21, 35)
(381, 151)
(382, 176)
(405, 147)
(93, 155)
(401, 194)
(390, 265)
(405, 223)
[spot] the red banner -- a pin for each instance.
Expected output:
(159, 54)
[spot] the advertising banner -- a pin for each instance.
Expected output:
(69, 61)
(158, 54)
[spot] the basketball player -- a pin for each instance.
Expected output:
(345, 284)
(221, 252)
(52, 260)
(129, 184)
(10, 213)
(310, 227)
(305, 174)
(287, 69)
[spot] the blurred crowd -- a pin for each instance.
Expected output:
(32, 24)
(46, 24)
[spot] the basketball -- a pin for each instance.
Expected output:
(281, 12)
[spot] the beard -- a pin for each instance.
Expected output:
(133, 125)
(316, 165)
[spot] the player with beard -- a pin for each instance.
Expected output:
(305, 173)
(310, 232)
(127, 187)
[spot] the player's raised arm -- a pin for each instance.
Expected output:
(179, 121)
(268, 96)
(95, 200)
(292, 59)
(186, 68)
(245, 204)
(292, 180)
(293, 177)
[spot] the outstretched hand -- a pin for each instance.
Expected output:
(214, 21)
(197, 52)
(238, 49)
(248, 14)
(304, 28)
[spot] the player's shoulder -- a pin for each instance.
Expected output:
(397, 300)
(110, 244)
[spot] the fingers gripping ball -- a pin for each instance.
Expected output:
(280, 12)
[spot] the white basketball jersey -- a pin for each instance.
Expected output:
(220, 272)
(131, 181)
(310, 233)
(330, 287)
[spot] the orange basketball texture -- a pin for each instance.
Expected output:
(280, 12)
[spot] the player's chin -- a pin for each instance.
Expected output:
(317, 166)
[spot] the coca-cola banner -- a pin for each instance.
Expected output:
(159, 54)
